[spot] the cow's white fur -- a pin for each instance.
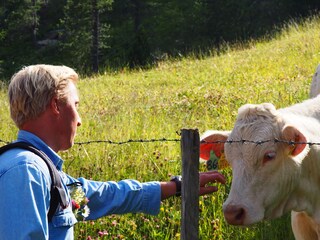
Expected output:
(315, 84)
(266, 189)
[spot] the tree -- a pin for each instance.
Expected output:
(23, 23)
(95, 36)
(84, 33)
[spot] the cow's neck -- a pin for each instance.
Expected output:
(306, 197)
(308, 108)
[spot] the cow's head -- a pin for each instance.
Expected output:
(264, 174)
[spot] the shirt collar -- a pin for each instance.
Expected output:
(25, 136)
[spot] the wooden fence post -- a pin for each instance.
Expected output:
(190, 143)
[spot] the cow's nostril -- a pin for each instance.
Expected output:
(240, 214)
(234, 214)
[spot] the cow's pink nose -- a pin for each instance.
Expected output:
(234, 214)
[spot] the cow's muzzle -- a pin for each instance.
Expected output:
(234, 214)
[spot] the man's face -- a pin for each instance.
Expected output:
(69, 117)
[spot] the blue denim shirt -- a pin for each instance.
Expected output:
(25, 195)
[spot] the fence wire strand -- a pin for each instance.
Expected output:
(243, 141)
(129, 141)
(260, 142)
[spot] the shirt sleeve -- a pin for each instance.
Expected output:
(126, 196)
(23, 203)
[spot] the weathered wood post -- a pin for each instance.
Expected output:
(190, 143)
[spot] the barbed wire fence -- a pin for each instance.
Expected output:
(190, 152)
(153, 140)
(260, 142)
(179, 133)
(129, 141)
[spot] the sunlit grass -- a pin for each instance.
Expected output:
(158, 103)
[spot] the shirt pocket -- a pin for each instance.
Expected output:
(64, 218)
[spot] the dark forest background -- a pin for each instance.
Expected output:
(103, 35)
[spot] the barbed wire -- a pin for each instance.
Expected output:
(119, 142)
(129, 141)
(260, 142)
(231, 141)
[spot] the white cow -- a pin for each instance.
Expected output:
(273, 177)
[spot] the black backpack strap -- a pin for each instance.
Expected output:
(57, 192)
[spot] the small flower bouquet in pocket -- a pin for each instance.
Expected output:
(79, 202)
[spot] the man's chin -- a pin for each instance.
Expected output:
(67, 147)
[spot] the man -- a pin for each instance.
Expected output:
(43, 104)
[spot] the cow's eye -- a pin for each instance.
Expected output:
(269, 156)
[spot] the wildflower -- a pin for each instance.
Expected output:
(103, 233)
(85, 211)
(75, 205)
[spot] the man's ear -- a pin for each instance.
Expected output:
(54, 104)
(212, 140)
(292, 134)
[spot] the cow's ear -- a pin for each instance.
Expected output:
(292, 134)
(212, 140)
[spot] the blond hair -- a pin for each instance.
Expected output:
(32, 88)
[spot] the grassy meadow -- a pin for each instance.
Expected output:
(159, 102)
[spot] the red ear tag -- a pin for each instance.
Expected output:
(206, 148)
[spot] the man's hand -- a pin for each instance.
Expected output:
(168, 189)
(206, 178)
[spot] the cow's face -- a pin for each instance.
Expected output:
(264, 174)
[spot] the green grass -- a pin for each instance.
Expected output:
(158, 103)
